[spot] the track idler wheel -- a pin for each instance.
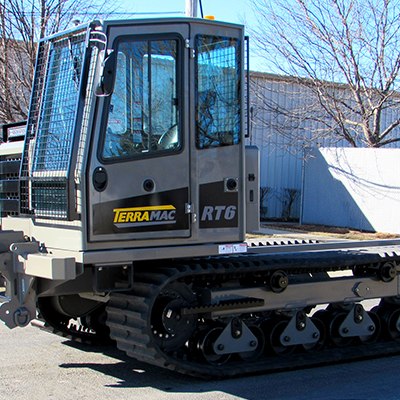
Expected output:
(171, 328)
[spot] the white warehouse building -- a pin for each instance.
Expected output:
(281, 160)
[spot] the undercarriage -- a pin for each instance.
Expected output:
(237, 315)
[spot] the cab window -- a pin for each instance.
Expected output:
(218, 114)
(143, 115)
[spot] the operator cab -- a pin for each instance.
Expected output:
(135, 132)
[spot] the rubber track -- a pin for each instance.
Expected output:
(129, 313)
(74, 332)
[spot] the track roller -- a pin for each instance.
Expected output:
(273, 329)
(258, 347)
(344, 323)
(247, 342)
(390, 317)
(284, 334)
(320, 336)
(206, 347)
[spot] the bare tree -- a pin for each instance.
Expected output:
(344, 55)
(288, 197)
(22, 24)
(266, 192)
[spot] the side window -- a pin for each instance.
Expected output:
(144, 108)
(217, 91)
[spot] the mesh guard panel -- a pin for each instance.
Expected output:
(49, 143)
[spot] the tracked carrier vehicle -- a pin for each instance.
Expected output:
(124, 212)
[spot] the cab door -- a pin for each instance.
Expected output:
(218, 149)
(139, 172)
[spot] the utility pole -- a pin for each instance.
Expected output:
(191, 8)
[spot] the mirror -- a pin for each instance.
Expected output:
(106, 84)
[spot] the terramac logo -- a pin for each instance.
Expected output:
(144, 216)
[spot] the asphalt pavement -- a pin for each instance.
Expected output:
(38, 365)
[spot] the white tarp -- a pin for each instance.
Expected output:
(357, 188)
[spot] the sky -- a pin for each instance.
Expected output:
(218, 8)
(235, 11)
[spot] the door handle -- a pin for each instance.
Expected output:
(100, 179)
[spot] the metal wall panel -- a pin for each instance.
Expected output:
(281, 160)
